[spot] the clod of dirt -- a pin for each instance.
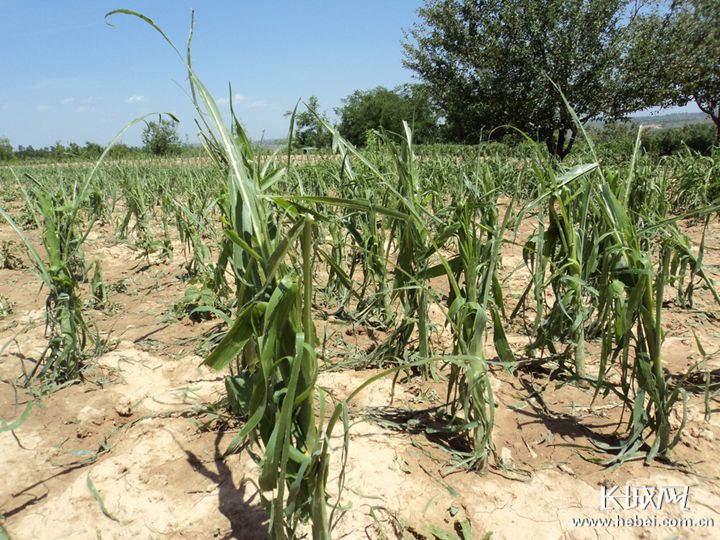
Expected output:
(83, 432)
(351, 331)
(701, 433)
(124, 407)
(506, 458)
(91, 414)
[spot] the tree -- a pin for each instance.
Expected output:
(674, 57)
(6, 149)
(309, 130)
(161, 138)
(58, 151)
(73, 150)
(494, 63)
(92, 150)
(381, 108)
(120, 150)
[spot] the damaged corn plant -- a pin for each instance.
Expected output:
(412, 253)
(393, 236)
(59, 213)
(600, 263)
(475, 299)
(634, 269)
(270, 345)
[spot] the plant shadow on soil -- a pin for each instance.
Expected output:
(438, 428)
(431, 423)
(27, 491)
(247, 518)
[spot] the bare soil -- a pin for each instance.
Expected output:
(133, 431)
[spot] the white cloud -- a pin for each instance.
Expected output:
(84, 109)
(237, 98)
(137, 99)
(259, 104)
(67, 100)
(42, 108)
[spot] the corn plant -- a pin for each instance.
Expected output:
(473, 222)
(631, 292)
(270, 345)
(567, 250)
(366, 232)
(66, 328)
(65, 226)
(193, 222)
(696, 181)
(411, 237)
(409, 226)
(137, 209)
(99, 289)
(475, 293)
(140, 199)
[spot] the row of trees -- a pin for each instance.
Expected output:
(159, 138)
(491, 67)
(494, 63)
(365, 110)
(58, 151)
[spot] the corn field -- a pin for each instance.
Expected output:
(466, 271)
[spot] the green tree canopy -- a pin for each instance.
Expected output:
(6, 149)
(161, 138)
(309, 130)
(492, 63)
(674, 57)
(381, 108)
(92, 150)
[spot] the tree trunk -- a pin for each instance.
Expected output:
(559, 148)
(712, 110)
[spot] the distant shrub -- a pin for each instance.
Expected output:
(614, 140)
(6, 149)
(665, 142)
(161, 138)
(617, 140)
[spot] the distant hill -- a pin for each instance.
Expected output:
(671, 120)
(668, 120)
(270, 144)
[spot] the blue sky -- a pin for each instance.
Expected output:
(68, 76)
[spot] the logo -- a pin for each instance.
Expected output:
(643, 497)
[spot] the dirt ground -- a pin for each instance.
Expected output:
(133, 434)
